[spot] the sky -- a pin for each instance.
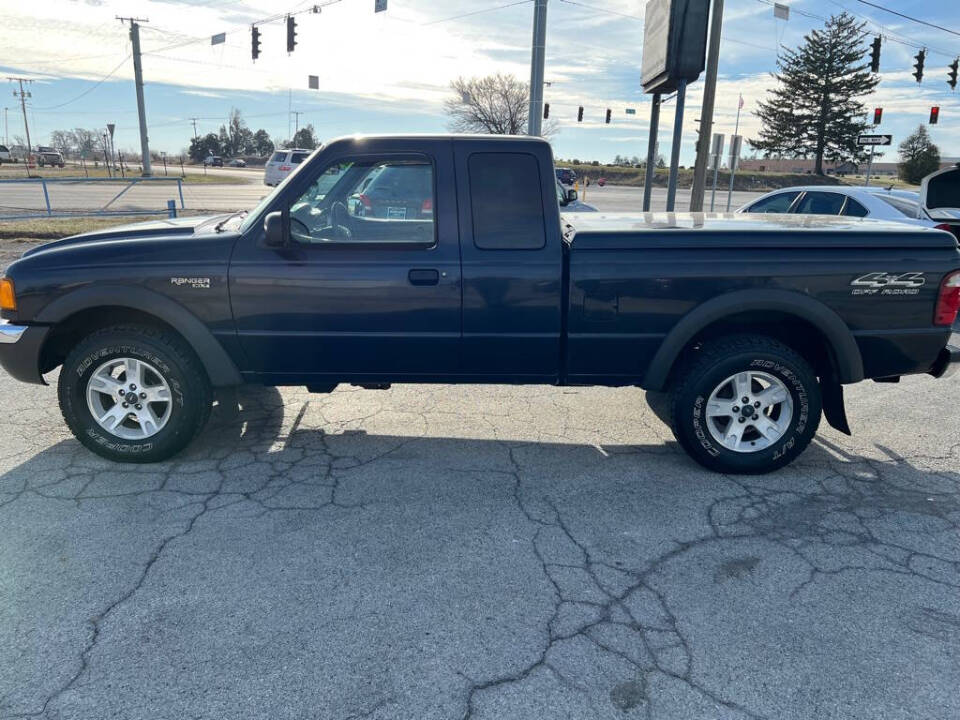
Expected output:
(390, 72)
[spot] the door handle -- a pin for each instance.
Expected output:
(424, 277)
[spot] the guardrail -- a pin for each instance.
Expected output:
(103, 210)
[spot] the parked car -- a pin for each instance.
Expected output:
(213, 161)
(395, 191)
(570, 202)
(5, 155)
(50, 158)
(238, 163)
(601, 181)
(282, 163)
(742, 329)
(566, 175)
(852, 201)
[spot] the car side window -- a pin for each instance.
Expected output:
(779, 203)
(821, 203)
(366, 201)
(298, 158)
(506, 201)
(854, 209)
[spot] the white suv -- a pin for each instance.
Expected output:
(282, 163)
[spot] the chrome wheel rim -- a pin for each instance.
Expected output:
(749, 411)
(129, 398)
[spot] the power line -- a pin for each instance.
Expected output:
(477, 12)
(89, 89)
(594, 8)
(908, 17)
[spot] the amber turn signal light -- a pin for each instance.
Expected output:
(8, 300)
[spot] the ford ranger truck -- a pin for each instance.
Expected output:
(742, 329)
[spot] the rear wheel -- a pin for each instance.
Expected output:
(745, 405)
(134, 393)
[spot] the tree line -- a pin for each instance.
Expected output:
(235, 139)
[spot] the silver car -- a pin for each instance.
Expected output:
(282, 163)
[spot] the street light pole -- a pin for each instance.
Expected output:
(537, 58)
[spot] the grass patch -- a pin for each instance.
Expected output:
(73, 172)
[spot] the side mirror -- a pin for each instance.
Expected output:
(273, 235)
(571, 195)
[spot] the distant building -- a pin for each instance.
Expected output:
(804, 166)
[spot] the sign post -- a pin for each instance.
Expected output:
(873, 141)
(715, 153)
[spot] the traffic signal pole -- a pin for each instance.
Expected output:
(706, 113)
(537, 58)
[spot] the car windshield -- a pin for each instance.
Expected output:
(909, 208)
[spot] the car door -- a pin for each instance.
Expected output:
(780, 202)
(512, 262)
(351, 297)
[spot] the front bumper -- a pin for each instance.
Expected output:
(20, 347)
(947, 363)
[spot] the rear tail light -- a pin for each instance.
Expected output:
(8, 299)
(427, 207)
(285, 168)
(365, 202)
(948, 301)
(954, 229)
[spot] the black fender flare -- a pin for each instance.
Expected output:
(219, 366)
(846, 353)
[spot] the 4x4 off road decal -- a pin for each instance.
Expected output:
(881, 283)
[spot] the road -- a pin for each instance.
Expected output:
(483, 552)
(23, 198)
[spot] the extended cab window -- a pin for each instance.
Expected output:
(367, 201)
(779, 203)
(506, 201)
(821, 203)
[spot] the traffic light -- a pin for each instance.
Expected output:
(608, 116)
(255, 42)
(580, 114)
(546, 110)
(877, 115)
(291, 33)
(918, 65)
(952, 82)
(875, 55)
(934, 114)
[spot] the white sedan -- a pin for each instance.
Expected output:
(851, 201)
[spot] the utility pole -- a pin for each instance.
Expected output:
(706, 112)
(23, 95)
(296, 119)
(138, 80)
(537, 58)
(6, 127)
(194, 121)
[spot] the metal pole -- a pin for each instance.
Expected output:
(26, 125)
(537, 57)
(675, 149)
(706, 112)
(733, 161)
(869, 166)
(651, 151)
(141, 110)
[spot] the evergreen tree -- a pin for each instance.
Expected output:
(918, 157)
(815, 109)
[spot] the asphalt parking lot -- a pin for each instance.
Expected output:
(481, 552)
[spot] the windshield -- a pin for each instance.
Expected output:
(268, 199)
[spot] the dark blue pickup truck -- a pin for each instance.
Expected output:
(445, 260)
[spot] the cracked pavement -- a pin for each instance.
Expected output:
(479, 552)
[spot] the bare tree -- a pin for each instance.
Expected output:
(495, 104)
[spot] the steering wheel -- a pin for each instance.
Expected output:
(339, 218)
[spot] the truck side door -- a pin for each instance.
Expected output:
(368, 285)
(511, 261)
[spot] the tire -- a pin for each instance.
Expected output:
(702, 405)
(168, 368)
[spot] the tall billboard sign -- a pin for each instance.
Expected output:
(674, 43)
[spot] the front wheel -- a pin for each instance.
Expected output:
(134, 393)
(745, 405)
